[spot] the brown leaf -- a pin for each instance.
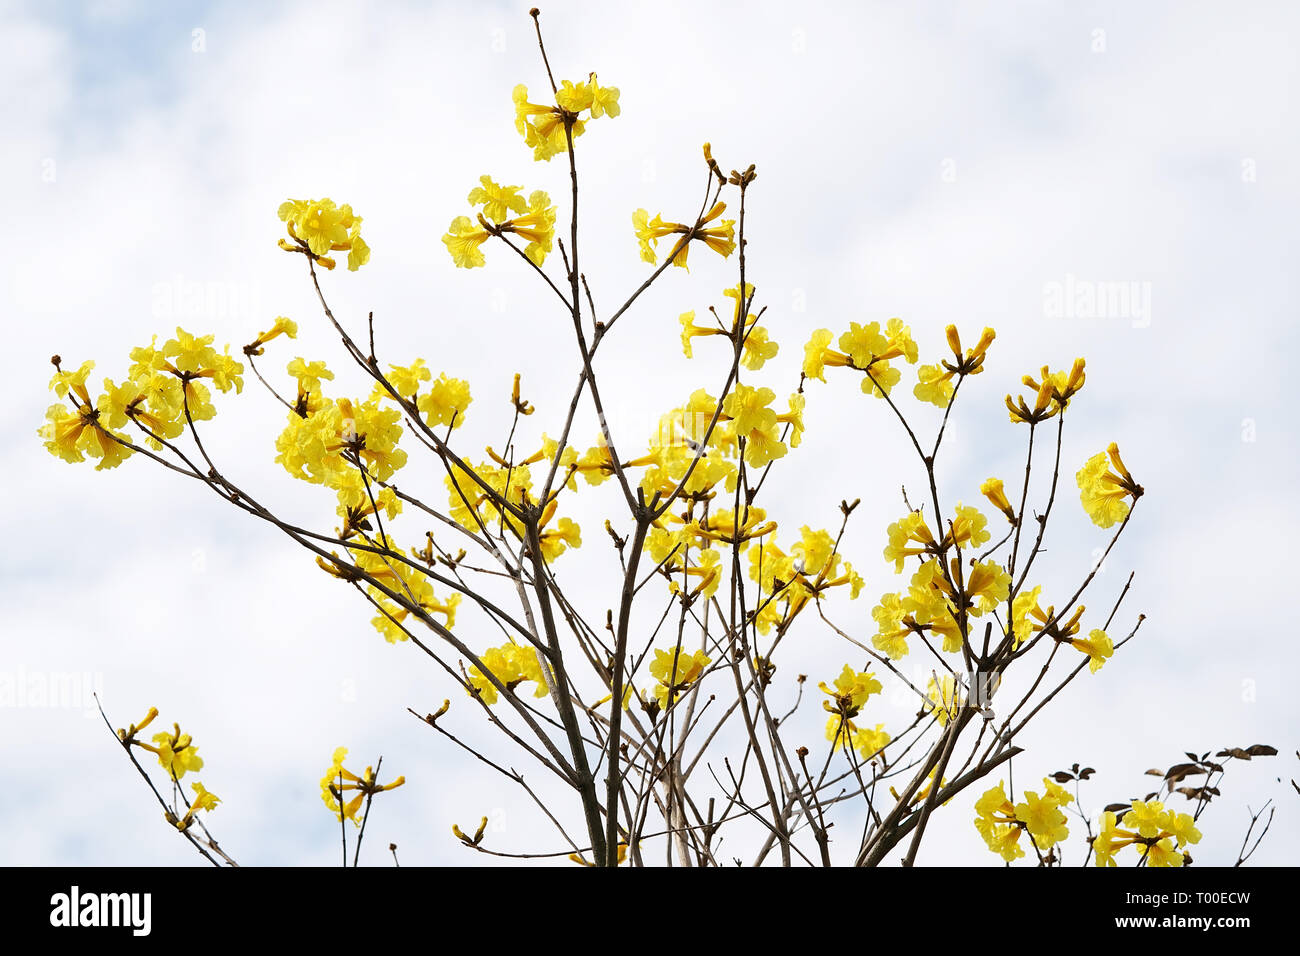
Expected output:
(1062, 777)
(1118, 807)
(1178, 771)
(1262, 750)
(1086, 772)
(1234, 752)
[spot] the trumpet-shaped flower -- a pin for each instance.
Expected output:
(511, 664)
(721, 238)
(1102, 491)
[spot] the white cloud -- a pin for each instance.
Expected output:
(168, 164)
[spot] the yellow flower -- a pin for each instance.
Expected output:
(1043, 819)
(720, 238)
(535, 225)
(1102, 491)
(446, 402)
(543, 126)
(1097, 646)
(309, 375)
(851, 690)
(565, 535)
(758, 349)
(904, 533)
(575, 98)
(969, 527)
(604, 99)
(203, 800)
(463, 240)
(72, 435)
(1110, 840)
(934, 385)
(322, 226)
(192, 357)
(1182, 826)
(747, 408)
(942, 700)
(891, 619)
(816, 355)
(870, 351)
(1051, 395)
(1026, 606)
(690, 331)
(338, 780)
(511, 664)
(497, 201)
(176, 752)
(988, 584)
(972, 361)
(675, 670)
(992, 490)
(405, 380)
(996, 822)
(868, 742)
(1162, 853)
(1146, 816)
(282, 326)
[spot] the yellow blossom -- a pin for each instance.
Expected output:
(675, 670)
(1102, 491)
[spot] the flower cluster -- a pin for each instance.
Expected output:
(847, 697)
(1051, 396)
(163, 391)
(511, 664)
(548, 129)
(864, 348)
(534, 223)
(1001, 823)
(675, 670)
(338, 780)
(319, 227)
(721, 238)
(1156, 834)
(177, 754)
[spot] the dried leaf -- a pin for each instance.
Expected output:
(1178, 771)
(1086, 772)
(1118, 807)
(1262, 750)
(1062, 777)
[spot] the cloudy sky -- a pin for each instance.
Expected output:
(940, 162)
